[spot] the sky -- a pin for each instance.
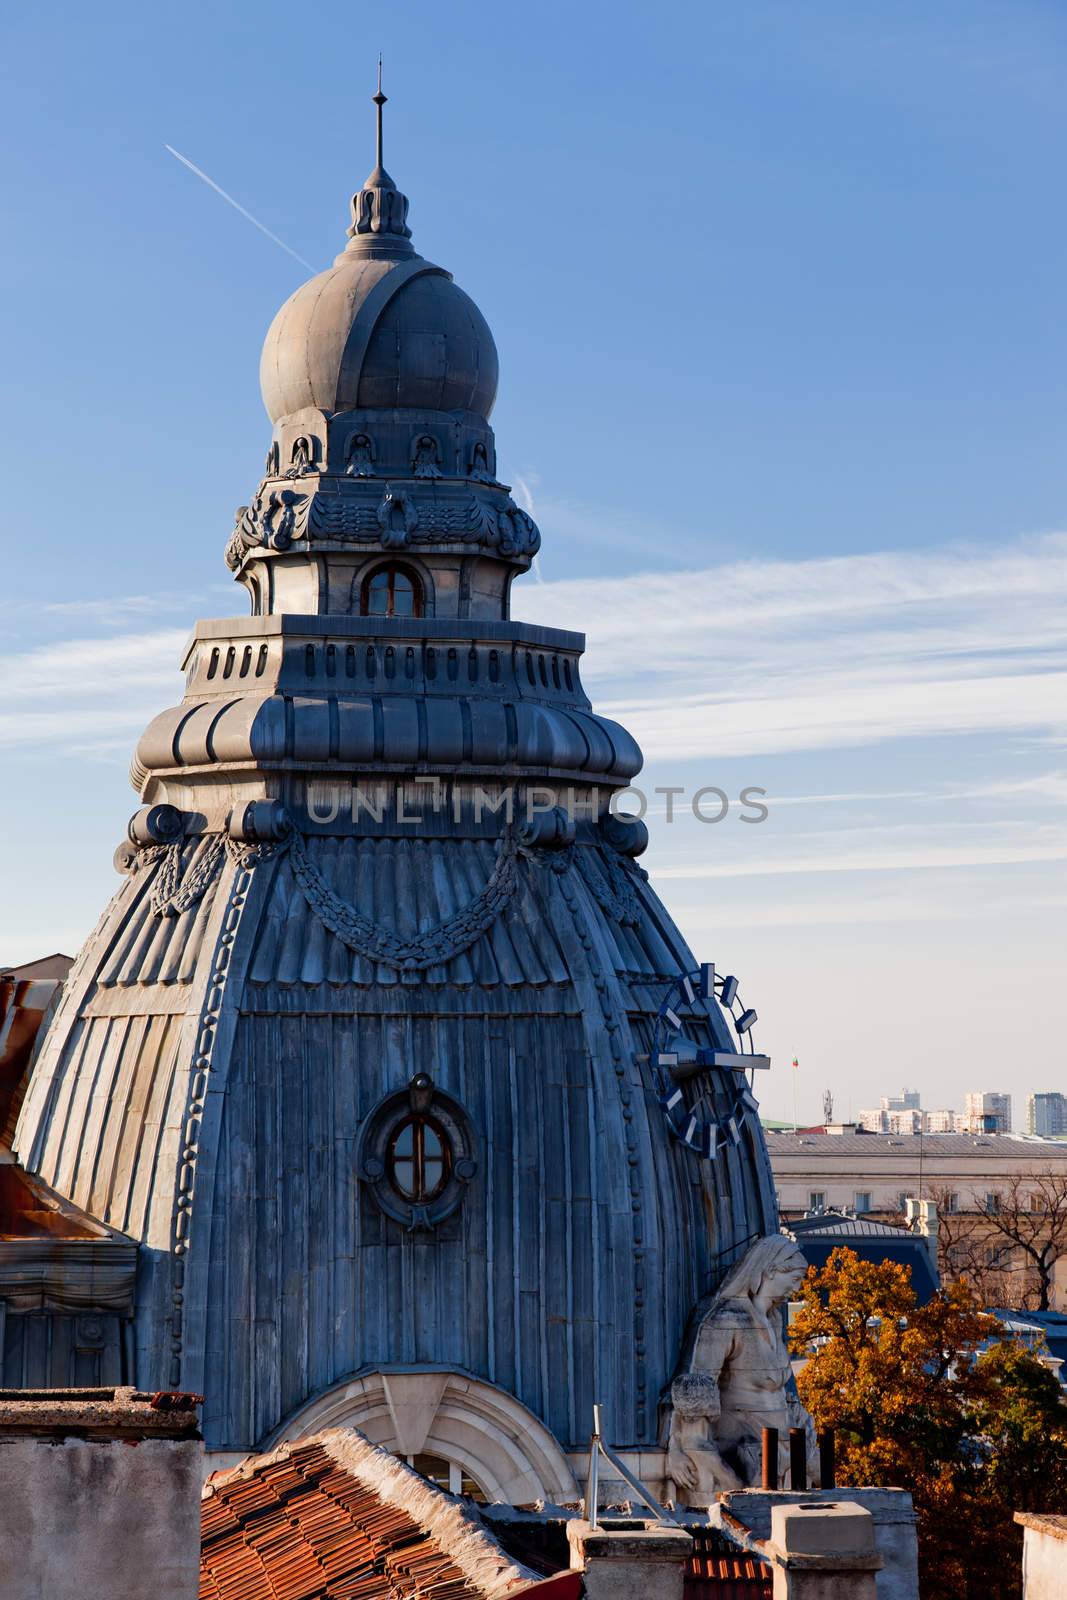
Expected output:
(779, 297)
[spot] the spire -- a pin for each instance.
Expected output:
(379, 211)
(379, 100)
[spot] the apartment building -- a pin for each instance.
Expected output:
(1046, 1114)
(969, 1176)
(987, 1111)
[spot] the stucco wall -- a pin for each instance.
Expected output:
(119, 1519)
(1044, 1564)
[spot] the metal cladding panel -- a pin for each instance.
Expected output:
(431, 348)
(231, 737)
(588, 1232)
(104, 1142)
(301, 355)
(355, 732)
(156, 746)
(400, 728)
(310, 729)
(149, 948)
(267, 731)
(511, 1288)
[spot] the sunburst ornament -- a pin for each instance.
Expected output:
(686, 1074)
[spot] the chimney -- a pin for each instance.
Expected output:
(99, 1495)
(630, 1556)
(823, 1547)
(921, 1217)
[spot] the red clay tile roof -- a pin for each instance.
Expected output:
(335, 1518)
(719, 1570)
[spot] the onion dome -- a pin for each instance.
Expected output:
(382, 327)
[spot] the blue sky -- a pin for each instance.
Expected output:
(779, 294)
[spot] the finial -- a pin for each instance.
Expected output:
(379, 100)
(379, 211)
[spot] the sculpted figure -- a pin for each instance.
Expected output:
(360, 457)
(302, 459)
(736, 1378)
(397, 517)
(478, 468)
(426, 463)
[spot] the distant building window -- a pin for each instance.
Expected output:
(863, 1201)
(391, 591)
(419, 1162)
(817, 1200)
(992, 1202)
(951, 1203)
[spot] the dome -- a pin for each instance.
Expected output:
(379, 331)
(382, 328)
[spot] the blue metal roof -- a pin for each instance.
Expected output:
(818, 1236)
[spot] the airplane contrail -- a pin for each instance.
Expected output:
(236, 206)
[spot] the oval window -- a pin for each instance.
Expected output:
(419, 1162)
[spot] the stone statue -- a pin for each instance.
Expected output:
(426, 463)
(303, 462)
(360, 457)
(478, 467)
(736, 1378)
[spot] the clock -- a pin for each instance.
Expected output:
(686, 1074)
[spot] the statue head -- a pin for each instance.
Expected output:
(772, 1269)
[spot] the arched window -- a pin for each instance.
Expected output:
(449, 1475)
(419, 1162)
(391, 591)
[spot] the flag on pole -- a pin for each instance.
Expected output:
(796, 1063)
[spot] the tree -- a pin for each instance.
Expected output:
(928, 1398)
(1007, 1243)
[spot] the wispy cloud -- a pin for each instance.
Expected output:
(83, 692)
(110, 610)
(1050, 786)
(761, 657)
(875, 859)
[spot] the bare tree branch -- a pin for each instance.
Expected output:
(1006, 1245)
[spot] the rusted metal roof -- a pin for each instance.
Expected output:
(55, 1256)
(720, 1570)
(27, 996)
(335, 1518)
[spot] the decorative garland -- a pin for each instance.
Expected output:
(430, 949)
(172, 894)
(613, 886)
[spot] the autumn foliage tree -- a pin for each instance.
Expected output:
(929, 1398)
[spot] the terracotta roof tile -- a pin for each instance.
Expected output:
(720, 1570)
(335, 1518)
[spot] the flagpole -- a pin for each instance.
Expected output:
(796, 1120)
